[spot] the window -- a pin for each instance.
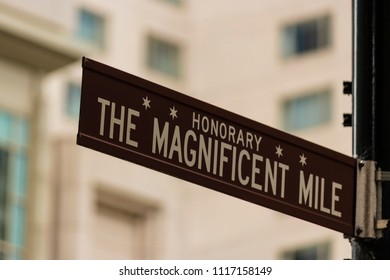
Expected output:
(13, 181)
(72, 102)
(90, 28)
(316, 252)
(306, 36)
(163, 56)
(174, 2)
(127, 227)
(307, 111)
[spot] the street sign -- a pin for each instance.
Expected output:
(139, 121)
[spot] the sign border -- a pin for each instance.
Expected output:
(203, 180)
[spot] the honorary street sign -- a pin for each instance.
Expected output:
(148, 124)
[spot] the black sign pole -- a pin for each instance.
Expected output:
(371, 108)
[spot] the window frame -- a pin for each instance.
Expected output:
(153, 45)
(14, 222)
(304, 107)
(133, 207)
(70, 89)
(292, 34)
(176, 3)
(322, 251)
(99, 38)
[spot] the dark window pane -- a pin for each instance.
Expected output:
(163, 57)
(306, 36)
(4, 156)
(316, 252)
(5, 127)
(13, 182)
(174, 2)
(90, 28)
(307, 111)
(72, 104)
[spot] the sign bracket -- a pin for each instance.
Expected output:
(382, 176)
(382, 224)
(369, 222)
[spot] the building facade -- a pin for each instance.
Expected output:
(32, 45)
(280, 63)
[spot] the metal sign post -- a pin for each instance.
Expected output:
(371, 126)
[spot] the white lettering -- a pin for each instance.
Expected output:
(335, 198)
(234, 163)
(270, 175)
(223, 131)
(284, 169)
(249, 140)
(223, 158)
(131, 126)
(232, 134)
(256, 170)
(205, 124)
(323, 208)
(117, 121)
(195, 120)
(189, 162)
(240, 138)
(258, 140)
(305, 190)
(214, 127)
(176, 145)
(215, 156)
(306, 194)
(204, 153)
(104, 103)
(243, 181)
(160, 140)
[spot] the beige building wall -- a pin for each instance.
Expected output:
(231, 56)
(238, 64)
(31, 46)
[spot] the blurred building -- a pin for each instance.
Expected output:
(279, 62)
(32, 43)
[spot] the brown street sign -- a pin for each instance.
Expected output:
(145, 123)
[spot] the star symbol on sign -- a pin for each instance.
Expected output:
(279, 151)
(173, 113)
(146, 103)
(303, 159)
